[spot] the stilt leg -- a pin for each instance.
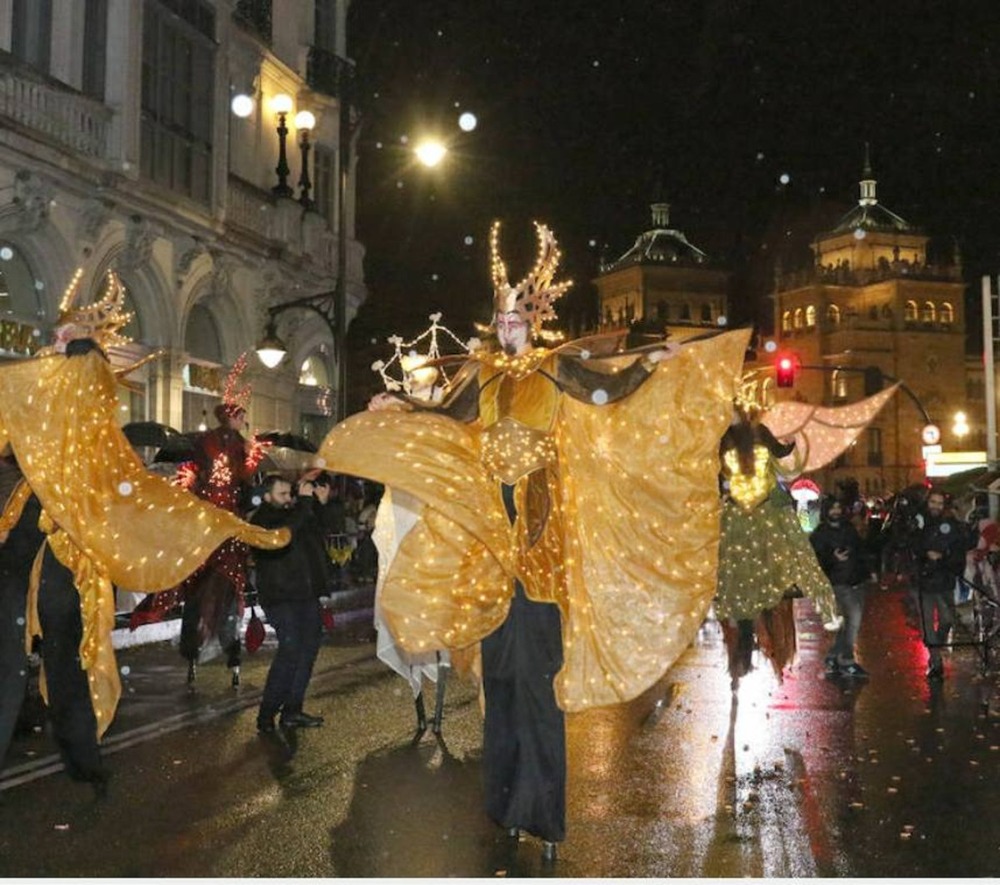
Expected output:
(442, 684)
(421, 714)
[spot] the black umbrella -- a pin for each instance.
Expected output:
(288, 441)
(149, 433)
(176, 449)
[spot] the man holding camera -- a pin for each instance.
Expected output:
(289, 583)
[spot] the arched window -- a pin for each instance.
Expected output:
(833, 315)
(798, 318)
(910, 312)
(706, 313)
(929, 312)
(20, 292)
(786, 321)
(838, 384)
(685, 311)
(810, 317)
(314, 372)
(947, 315)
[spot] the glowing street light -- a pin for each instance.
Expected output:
(960, 425)
(430, 152)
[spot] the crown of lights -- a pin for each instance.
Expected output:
(750, 394)
(411, 370)
(101, 320)
(532, 298)
(234, 397)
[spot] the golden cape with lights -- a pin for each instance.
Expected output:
(630, 548)
(109, 520)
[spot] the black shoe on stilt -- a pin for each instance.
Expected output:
(192, 672)
(549, 852)
(236, 677)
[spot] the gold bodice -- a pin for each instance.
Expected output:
(749, 490)
(517, 411)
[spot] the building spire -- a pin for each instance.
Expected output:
(661, 214)
(867, 181)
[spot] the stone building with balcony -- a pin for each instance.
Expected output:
(119, 149)
(873, 301)
(664, 283)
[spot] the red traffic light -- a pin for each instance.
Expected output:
(784, 370)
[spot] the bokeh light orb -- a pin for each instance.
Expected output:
(467, 121)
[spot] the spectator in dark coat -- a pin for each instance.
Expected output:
(841, 554)
(289, 584)
(941, 544)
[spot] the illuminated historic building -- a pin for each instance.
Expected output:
(165, 139)
(872, 300)
(663, 282)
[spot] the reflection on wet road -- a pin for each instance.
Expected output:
(807, 777)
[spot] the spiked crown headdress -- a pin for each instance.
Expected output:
(101, 320)
(532, 298)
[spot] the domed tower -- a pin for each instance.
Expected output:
(872, 301)
(663, 283)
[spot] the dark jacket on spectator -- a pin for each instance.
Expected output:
(300, 570)
(947, 536)
(828, 538)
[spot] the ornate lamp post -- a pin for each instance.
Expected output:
(282, 105)
(304, 123)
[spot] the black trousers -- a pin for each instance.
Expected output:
(13, 660)
(70, 712)
(524, 734)
(299, 625)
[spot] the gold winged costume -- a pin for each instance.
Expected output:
(614, 467)
(107, 518)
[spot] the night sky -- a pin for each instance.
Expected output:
(588, 111)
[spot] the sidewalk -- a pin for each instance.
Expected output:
(156, 698)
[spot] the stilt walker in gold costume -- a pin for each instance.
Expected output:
(569, 522)
(107, 519)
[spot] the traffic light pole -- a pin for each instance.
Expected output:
(883, 376)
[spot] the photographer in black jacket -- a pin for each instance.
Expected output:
(289, 583)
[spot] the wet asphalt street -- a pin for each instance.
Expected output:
(810, 777)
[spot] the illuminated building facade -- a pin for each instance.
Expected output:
(663, 283)
(123, 145)
(873, 300)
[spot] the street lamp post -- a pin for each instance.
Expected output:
(282, 105)
(304, 123)
(271, 350)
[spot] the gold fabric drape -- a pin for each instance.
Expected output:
(111, 521)
(630, 546)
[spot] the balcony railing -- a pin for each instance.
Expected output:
(250, 208)
(329, 73)
(72, 120)
(849, 276)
